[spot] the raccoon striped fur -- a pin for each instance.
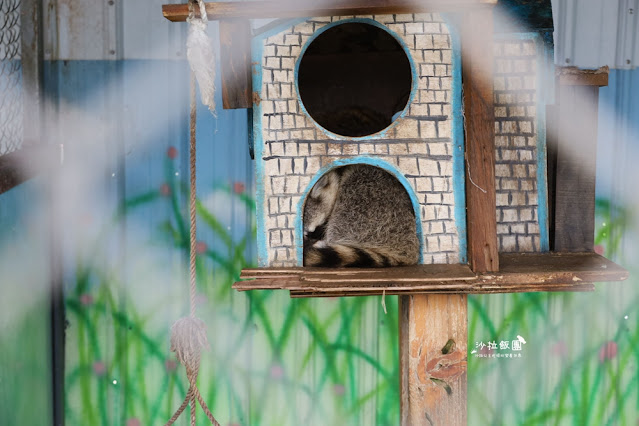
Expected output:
(359, 216)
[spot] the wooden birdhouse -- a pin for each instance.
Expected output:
(470, 122)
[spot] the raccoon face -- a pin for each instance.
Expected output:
(319, 205)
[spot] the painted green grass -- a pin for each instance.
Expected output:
(276, 360)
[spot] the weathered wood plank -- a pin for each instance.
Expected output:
(308, 8)
(433, 348)
(477, 75)
(519, 273)
(575, 169)
(235, 57)
(501, 290)
(572, 76)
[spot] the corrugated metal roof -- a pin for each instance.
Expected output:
(593, 33)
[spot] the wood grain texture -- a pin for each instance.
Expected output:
(308, 8)
(433, 357)
(574, 208)
(477, 75)
(235, 58)
(519, 272)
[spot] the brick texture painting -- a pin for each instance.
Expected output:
(417, 145)
(516, 145)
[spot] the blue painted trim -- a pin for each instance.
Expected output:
(257, 48)
(542, 173)
(459, 178)
(414, 75)
(299, 241)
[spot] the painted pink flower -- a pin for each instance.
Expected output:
(599, 249)
(133, 422)
(238, 187)
(559, 349)
(86, 299)
(200, 247)
(277, 372)
(607, 351)
(339, 389)
(165, 189)
(170, 365)
(99, 368)
(172, 152)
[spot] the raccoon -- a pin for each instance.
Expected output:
(359, 216)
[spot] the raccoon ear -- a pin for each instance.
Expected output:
(319, 186)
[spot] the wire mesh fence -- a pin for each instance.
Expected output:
(11, 100)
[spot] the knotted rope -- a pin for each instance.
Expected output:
(188, 334)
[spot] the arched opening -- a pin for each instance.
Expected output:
(354, 79)
(359, 215)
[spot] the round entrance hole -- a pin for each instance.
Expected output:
(354, 79)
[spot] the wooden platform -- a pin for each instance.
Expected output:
(518, 273)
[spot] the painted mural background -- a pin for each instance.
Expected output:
(272, 360)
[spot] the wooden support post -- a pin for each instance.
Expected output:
(433, 328)
(572, 153)
(235, 55)
(433, 356)
(477, 75)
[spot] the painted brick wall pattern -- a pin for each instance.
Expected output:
(418, 145)
(516, 145)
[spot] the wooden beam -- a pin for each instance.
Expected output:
(433, 357)
(575, 150)
(477, 75)
(309, 8)
(532, 272)
(235, 55)
(572, 76)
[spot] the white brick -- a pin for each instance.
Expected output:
(286, 90)
(278, 185)
(292, 40)
(268, 51)
(286, 166)
(432, 242)
(280, 106)
(292, 184)
(440, 41)
(509, 215)
(284, 205)
(432, 56)
(317, 148)
(398, 149)
(446, 243)
(432, 28)
(428, 129)
(288, 121)
(290, 148)
(437, 148)
(417, 148)
(443, 128)
(423, 184)
(312, 165)
(423, 41)
(277, 148)
(408, 166)
(273, 62)
(275, 238)
(414, 27)
(428, 167)
(287, 238)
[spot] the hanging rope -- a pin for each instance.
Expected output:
(188, 334)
